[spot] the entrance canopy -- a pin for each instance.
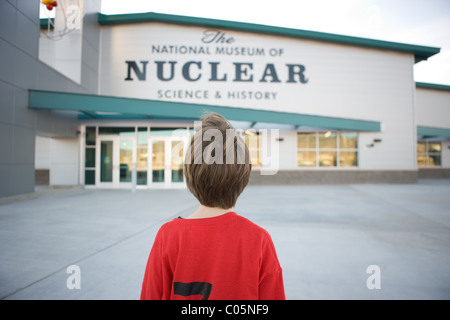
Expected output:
(432, 132)
(97, 106)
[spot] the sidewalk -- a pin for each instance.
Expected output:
(326, 236)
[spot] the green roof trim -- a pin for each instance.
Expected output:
(420, 52)
(433, 131)
(43, 23)
(432, 86)
(88, 104)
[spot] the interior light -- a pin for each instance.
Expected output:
(249, 133)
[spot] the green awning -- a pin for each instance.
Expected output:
(433, 132)
(90, 104)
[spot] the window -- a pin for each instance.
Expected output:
(252, 140)
(89, 157)
(117, 131)
(307, 149)
(428, 153)
(348, 149)
(142, 155)
(327, 149)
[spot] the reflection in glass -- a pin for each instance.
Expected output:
(429, 153)
(348, 140)
(158, 165)
(327, 159)
(117, 131)
(106, 161)
(142, 178)
(89, 177)
(306, 158)
(434, 147)
(177, 161)
(89, 158)
(348, 159)
(155, 131)
(327, 140)
(306, 140)
(421, 147)
(321, 149)
(434, 160)
(142, 136)
(142, 157)
(90, 136)
(255, 158)
(421, 159)
(252, 141)
(126, 160)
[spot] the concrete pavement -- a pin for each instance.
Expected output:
(326, 237)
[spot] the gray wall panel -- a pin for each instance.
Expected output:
(27, 35)
(6, 144)
(7, 62)
(23, 145)
(21, 70)
(6, 101)
(8, 22)
(23, 116)
(6, 188)
(22, 178)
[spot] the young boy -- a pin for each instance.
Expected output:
(214, 253)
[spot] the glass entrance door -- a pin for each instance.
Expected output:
(167, 158)
(117, 162)
(106, 161)
(127, 161)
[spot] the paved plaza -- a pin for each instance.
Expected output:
(326, 237)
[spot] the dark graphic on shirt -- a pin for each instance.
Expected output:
(193, 288)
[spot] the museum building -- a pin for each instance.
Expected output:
(110, 101)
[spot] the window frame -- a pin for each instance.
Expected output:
(428, 154)
(337, 150)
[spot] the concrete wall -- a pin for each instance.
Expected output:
(434, 173)
(445, 154)
(64, 164)
(433, 108)
(42, 153)
(21, 70)
(57, 161)
(329, 176)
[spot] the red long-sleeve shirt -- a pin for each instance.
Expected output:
(226, 257)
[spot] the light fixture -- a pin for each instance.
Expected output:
(327, 134)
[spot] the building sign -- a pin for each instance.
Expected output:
(191, 64)
(206, 64)
(213, 67)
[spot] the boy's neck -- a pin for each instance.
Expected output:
(208, 212)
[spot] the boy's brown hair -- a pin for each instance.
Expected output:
(217, 183)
